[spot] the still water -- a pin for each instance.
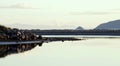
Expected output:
(91, 52)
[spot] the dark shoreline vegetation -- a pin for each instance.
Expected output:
(76, 32)
(16, 35)
(9, 34)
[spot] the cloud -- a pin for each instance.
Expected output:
(20, 6)
(116, 9)
(93, 13)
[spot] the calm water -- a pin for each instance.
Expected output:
(92, 52)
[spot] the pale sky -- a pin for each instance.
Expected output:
(59, 13)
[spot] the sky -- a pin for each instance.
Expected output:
(58, 14)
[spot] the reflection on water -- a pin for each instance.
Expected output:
(92, 52)
(10, 48)
(14, 49)
(6, 50)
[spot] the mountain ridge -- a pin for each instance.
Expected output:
(111, 25)
(79, 28)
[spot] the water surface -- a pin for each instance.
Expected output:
(92, 52)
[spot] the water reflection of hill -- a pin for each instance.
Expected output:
(14, 49)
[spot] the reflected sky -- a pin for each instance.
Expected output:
(93, 52)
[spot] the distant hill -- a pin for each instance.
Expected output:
(112, 25)
(79, 28)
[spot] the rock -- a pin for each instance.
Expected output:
(15, 34)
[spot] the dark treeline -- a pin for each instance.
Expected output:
(16, 34)
(75, 32)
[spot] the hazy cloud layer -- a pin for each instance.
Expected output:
(20, 6)
(93, 13)
(116, 9)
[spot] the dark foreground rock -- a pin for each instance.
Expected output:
(16, 34)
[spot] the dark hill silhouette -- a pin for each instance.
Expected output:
(112, 25)
(79, 28)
